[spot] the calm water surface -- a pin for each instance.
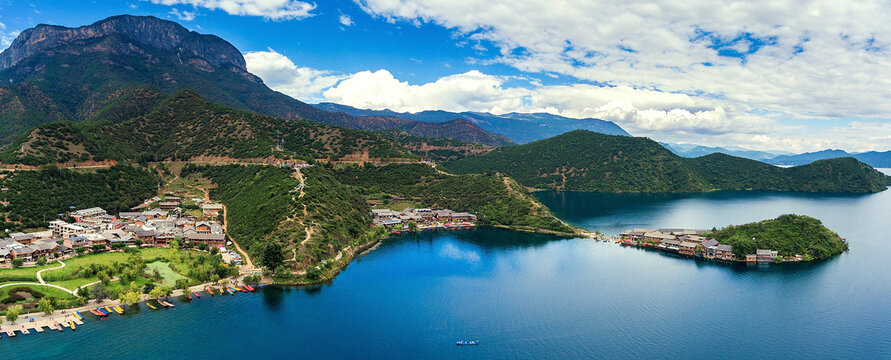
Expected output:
(530, 296)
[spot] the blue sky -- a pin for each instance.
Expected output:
(769, 75)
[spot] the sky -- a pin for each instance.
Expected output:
(781, 75)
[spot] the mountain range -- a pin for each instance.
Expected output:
(587, 161)
(53, 73)
(873, 158)
(519, 127)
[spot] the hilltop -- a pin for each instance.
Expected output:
(588, 161)
(50, 73)
(185, 125)
(788, 234)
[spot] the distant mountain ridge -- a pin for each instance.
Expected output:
(519, 127)
(873, 158)
(52, 73)
(692, 151)
(587, 161)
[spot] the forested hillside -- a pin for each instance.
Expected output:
(588, 161)
(185, 125)
(37, 197)
(495, 199)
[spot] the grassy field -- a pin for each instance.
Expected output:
(167, 274)
(74, 265)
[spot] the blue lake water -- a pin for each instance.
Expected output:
(526, 296)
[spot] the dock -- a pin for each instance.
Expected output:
(38, 328)
(78, 321)
(10, 333)
(25, 331)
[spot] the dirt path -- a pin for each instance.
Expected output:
(248, 264)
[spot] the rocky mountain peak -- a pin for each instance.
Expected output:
(147, 30)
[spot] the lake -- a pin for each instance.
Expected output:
(527, 296)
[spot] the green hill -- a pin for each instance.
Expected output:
(495, 199)
(788, 234)
(184, 125)
(587, 161)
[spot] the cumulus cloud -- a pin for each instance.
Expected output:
(803, 59)
(182, 15)
(640, 111)
(345, 20)
(280, 73)
(271, 9)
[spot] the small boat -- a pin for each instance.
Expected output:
(464, 343)
(102, 311)
(73, 327)
(190, 297)
(210, 291)
(230, 291)
(95, 312)
(165, 303)
(153, 307)
(196, 294)
(78, 315)
(118, 309)
(250, 288)
(108, 310)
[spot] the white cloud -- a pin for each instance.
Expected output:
(280, 73)
(2, 26)
(346, 20)
(270, 9)
(184, 15)
(817, 59)
(6, 38)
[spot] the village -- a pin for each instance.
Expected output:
(157, 222)
(410, 219)
(690, 242)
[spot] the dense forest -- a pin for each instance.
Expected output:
(37, 197)
(494, 198)
(588, 161)
(185, 125)
(787, 234)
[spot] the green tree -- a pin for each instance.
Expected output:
(104, 278)
(83, 292)
(13, 312)
(129, 297)
(98, 292)
(41, 261)
(270, 254)
(45, 305)
(182, 284)
(17, 262)
(156, 293)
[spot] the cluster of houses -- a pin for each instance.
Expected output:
(144, 226)
(425, 217)
(690, 242)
